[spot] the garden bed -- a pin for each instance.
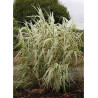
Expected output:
(76, 91)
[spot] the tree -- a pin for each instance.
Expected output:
(23, 8)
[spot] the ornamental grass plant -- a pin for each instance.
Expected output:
(48, 53)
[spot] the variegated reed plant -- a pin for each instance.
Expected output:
(49, 52)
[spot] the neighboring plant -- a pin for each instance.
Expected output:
(49, 52)
(23, 8)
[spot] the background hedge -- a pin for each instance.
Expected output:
(23, 8)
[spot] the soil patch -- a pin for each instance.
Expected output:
(75, 91)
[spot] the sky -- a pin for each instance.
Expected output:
(76, 10)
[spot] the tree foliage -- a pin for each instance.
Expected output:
(23, 8)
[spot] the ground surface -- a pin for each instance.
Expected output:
(76, 91)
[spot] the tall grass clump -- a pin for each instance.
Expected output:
(49, 52)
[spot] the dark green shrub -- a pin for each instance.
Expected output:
(23, 8)
(15, 23)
